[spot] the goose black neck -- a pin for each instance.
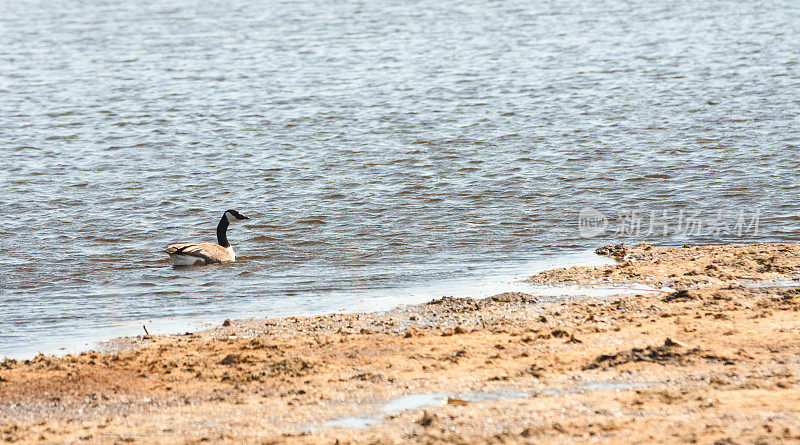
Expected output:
(222, 229)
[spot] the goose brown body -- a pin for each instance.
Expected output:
(200, 253)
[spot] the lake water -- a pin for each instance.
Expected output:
(376, 145)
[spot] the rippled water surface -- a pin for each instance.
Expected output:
(375, 145)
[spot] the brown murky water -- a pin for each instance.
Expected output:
(375, 145)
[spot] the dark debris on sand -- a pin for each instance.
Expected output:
(472, 304)
(670, 353)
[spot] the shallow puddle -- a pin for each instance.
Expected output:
(753, 283)
(417, 401)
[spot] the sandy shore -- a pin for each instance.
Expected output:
(716, 359)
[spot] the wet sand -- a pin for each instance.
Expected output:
(715, 357)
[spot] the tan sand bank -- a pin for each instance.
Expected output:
(715, 360)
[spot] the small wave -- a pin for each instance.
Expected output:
(66, 113)
(260, 226)
(309, 243)
(263, 238)
(312, 221)
(61, 138)
(333, 196)
(108, 240)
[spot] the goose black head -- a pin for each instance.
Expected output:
(233, 216)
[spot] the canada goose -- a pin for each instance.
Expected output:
(189, 254)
